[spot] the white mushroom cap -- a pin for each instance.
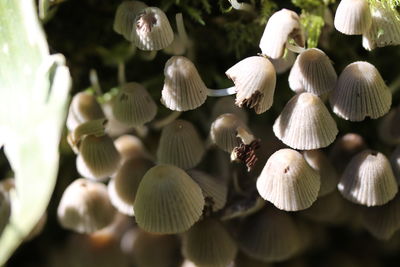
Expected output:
(312, 72)
(288, 181)
(167, 200)
(270, 236)
(180, 145)
(84, 107)
(305, 123)
(85, 207)
(224, 131)
(368, 179)
(208, 243)
(125, 16)
(152, 30)
(123, 186)
(282, 25)
(133, 105)
(360, 92)
(255, 80)
(353, 17)
(98, 158)
(183, 87)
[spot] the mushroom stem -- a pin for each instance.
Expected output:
(241, 6)
(221, 92)
(94, 81)
(166, 120)
(294, 48)
(395, 86)
(121, 73)
(181, 29)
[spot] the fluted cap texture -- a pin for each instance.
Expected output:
(360, 92)
(281, 26)
(368, 179)
(167, 200)
(180, 145)
(183, 87)
(255, 80)
(288, 181)
(305, 123)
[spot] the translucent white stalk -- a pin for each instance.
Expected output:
(241, 6)
(221, 92)
(121, 73)
(94, 81)
(294, 48)
(181, 29)
(166, 120)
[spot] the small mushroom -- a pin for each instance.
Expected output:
(288, 182)
(85, 207)
(353, 17)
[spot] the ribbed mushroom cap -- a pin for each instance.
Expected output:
(130, 146)
(124, 184)
(312, 72)
(98, 158)
(167, 200)
(288, 181)
(223, 131)
(5, 208)
(227, 105)
(281, 26)
(395, 162)
(305, 123)
(85, 207)
(133, 105)
(368, 179)
(84, 107)
(385, 27)
(388, 129)
(344, 148)
(124, 21)
(353, 17)
(152, 30)
(320, 162)
(270, 235)
(284, 63)
(208, 243)
(156, 250)
(180, 145)
(360, 92)
(326, 209)
(383, 221)
(255, 80)
(114, 128)
(183, 87)
(215, 191)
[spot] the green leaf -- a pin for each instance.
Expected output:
(312, 24)
(33, 97)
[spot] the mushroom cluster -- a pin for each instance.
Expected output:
(222, 189)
